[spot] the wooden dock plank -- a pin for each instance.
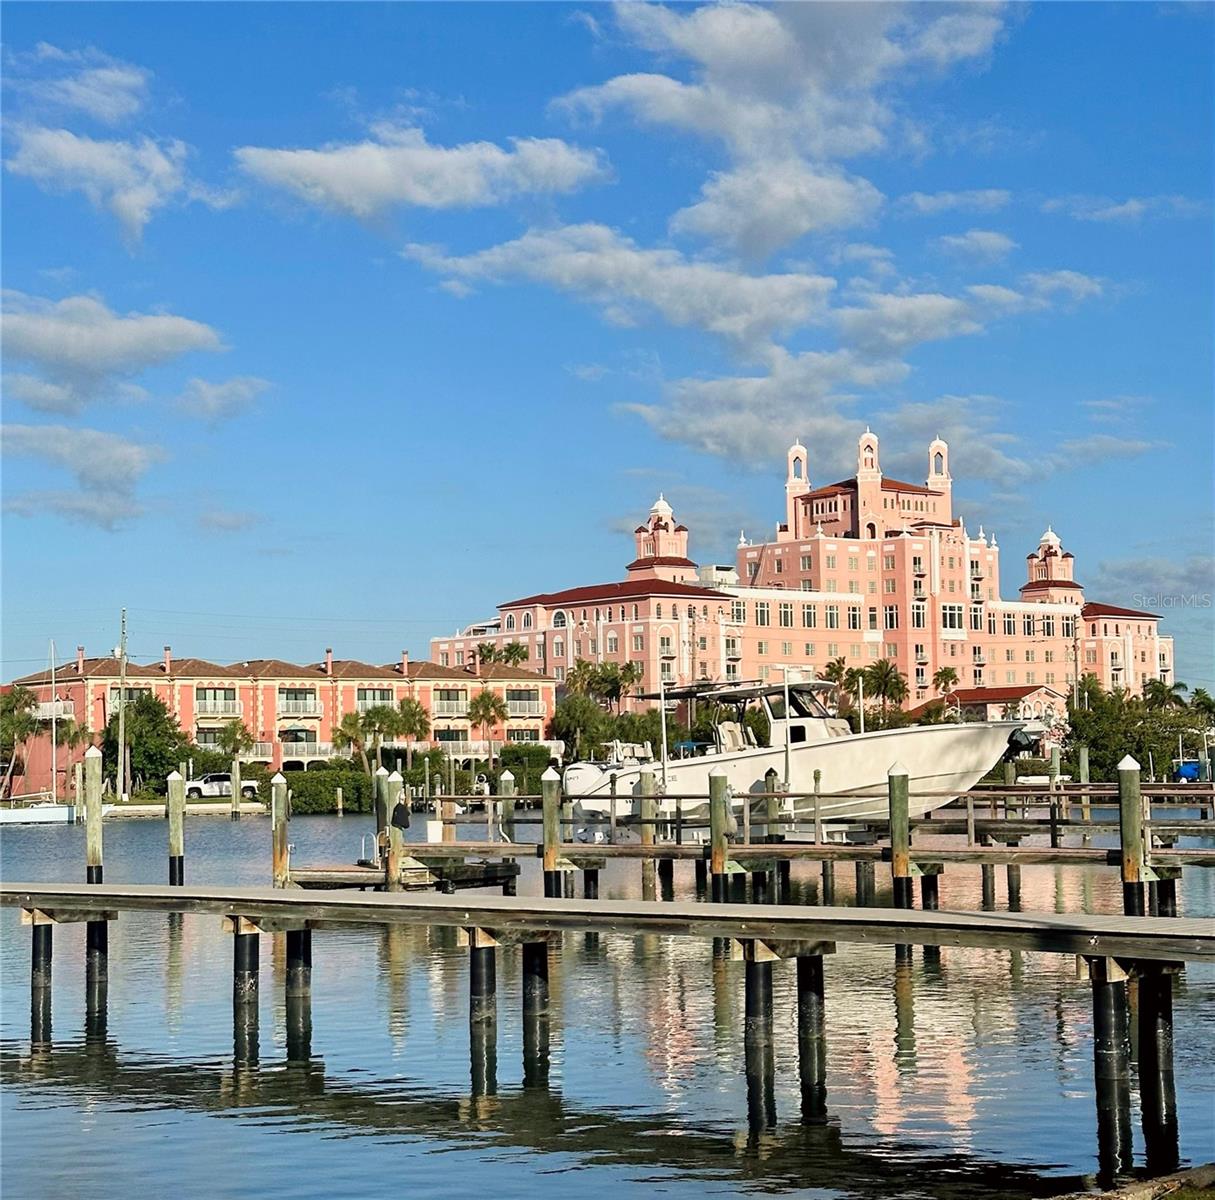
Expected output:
(1169, 938)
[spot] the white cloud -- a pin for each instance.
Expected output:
(608, 269)
(39, 394)
(1071, 285)
(398, 167)
(106, 468)
(216, 402)
(983, 245)
(759, 207)
(1130, 210)
(890, 324)
(977, 200)
(82, 348)
(222, 520)
(86, 81)
(132, 179)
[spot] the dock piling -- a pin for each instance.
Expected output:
(279, 867)
(1111, 1070)
(647, 786)
(1130, 834)
(866, 885)
(299, 995)
(246, 954)
(757, 1034)
(811, 1037)
(97, 937)
(41, 945)
(394, 831)
(900, 835)
(550, 804)
(506, 794)
(482, 1012)
(176, 805)
(234, 811)
(535, 1014)
(719, 804)
(1157, 1092)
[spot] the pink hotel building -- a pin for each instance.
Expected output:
(870, 567)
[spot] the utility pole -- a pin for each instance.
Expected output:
(122, 716)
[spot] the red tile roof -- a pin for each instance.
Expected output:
(1039, 585)
(661, 561)
(1095, 609)
(628, 589)
(898, 485)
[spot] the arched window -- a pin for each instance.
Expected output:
(797, 468)
(527, 620)
(510, 621)
(871, 530)
(658, 610)
(938, 463)
(636, 612)
(613, 643)
(558, 620)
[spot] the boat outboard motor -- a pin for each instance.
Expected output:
(1019, 741)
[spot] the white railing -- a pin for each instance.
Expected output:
(58, 710)
(307, 750)
(299, 708)
(363, 705)
(449, 708)
(525, 708)
(218, 708)
(260, 750)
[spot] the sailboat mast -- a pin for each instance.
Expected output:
(122, 715)
(54, 733)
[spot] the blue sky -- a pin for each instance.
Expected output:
(338, 324)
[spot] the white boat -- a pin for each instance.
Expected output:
(942, 761)
(33, 811)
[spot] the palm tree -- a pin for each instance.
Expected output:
(1159, 694)
(631, 674)
(1203, 703)
(486, 653)
(18, 723)
(349, 732)
(885, 681)
(487, 709)
(513, 654)
(945, 679)
(380, 721)
(413, 722)
(234, 739)
(606, 684)
(580, 678)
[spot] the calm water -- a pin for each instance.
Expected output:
(970, 1075)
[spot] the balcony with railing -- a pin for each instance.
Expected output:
(56, 710)
(295, 750)
(299, 707)
(449, 708)
(362, 706)
(218, 708)
(525, 708)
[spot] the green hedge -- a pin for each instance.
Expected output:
(316, 791)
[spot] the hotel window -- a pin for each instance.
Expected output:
(1031, 677)
(636, 611)
(443, 658)
(890, 586)
(732, 650)
(807, 585)
(805, 562)
(872, 649)
(888, 562)
(919, 616)
(1069, 627)
(780, 566)
(668, 670)
(854, 563)
(1090, 656)
(991, 623)
(830, 562)
(613, 643)
(892, 649)
(577, 647)
(703, 643)
(833, 616)
(1050, 677)
(920, 652)
(762, 613)
(809, 616)
(1029, 656)
(704, 669)
(1010, 677)
(523, 735)
(951, 616)
(871, 562)
(854, 651)
(890, 615)
(786, 616)
(873, 618)
(854, 617)
(1048, 656)
(664, 645)
(558, 648)
(809, 649)
(459, 658)
(976, 619)
(594, 646)
(510, 621)
(853, 587)
(527, 620)
(831, 586)
(539, 649)
(1010, 624)
(1010, 655)
(917, 564)
(731, 671)
(761, 647)
(738, 611)
(871, 587)
(786, 649)
(952, 586)
(1048, 626)
(1027, 625)
(658, 610)
(921, 677)
(833, 649)
(752, 570)
(559, 674)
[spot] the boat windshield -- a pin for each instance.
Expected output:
(802, 703)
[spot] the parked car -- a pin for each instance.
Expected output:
(218, 783)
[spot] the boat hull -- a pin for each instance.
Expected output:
(38, 814)
(945, 760)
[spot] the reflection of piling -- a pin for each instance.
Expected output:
(811, 1038)
(757, 1035)
(245, 991)
(987, 871)
(1130, 832)
(40, 982)
(506, 797)
(1013, 874)
(1111, 1070)
(647, 786)
(866, 885)
(482, 1012)
(176, 805)
(1157, 1092)
(535, 1014)
(299, 995)
(97, 941)
(550, 806)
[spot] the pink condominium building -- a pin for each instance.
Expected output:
(862, 569)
